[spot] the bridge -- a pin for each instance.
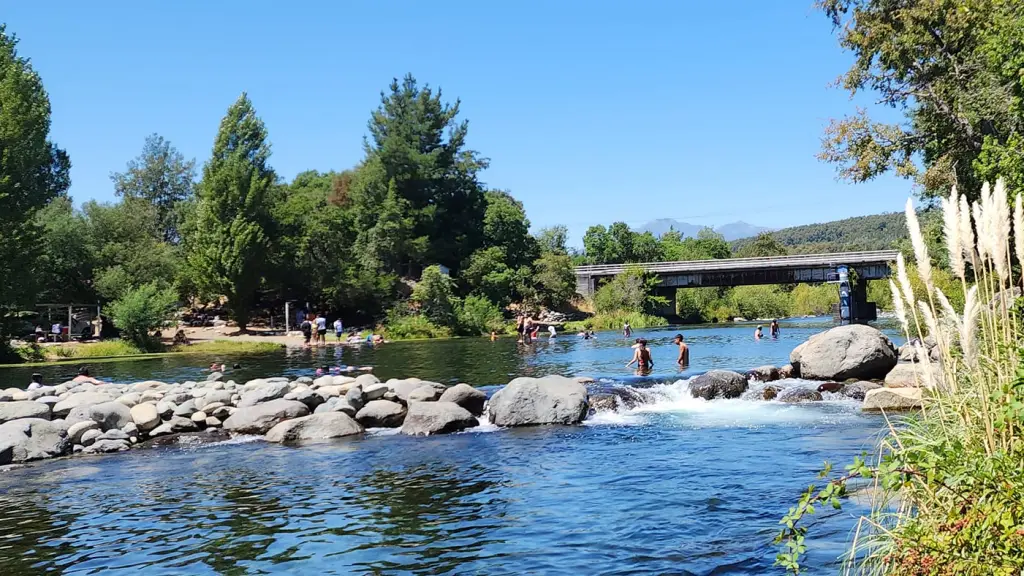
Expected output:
(803, 268)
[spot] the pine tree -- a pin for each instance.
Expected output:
(228, 242)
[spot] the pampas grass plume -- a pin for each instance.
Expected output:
(924, 264)
(951, 230)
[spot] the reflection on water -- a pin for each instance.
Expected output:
(673, 485)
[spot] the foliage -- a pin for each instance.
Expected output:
(227, 250)
(763, 245)
(615, 321)
(163, 178)
(952, 68)
(552, 240)
(434, 295)
(33, 172)
(554, 280)
(876, 232)
(479, 315)
(814, 300)
(617, 244)
(141, 311)
(629, 291)
(752, 302)
(401, 325)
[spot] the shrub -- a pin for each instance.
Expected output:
(759, 301)
(412, 326)
(807, 299)
(629, 291)
(478, 315)
(435, 296)
(615, 320)
(141, 311)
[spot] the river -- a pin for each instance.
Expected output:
(672, 486)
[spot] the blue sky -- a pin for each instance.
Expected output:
(590, 111)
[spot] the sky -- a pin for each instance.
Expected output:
(589, 111)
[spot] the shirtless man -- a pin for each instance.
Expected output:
(642, 357)
(83, 376)
(684, 351)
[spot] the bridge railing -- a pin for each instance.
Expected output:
(795, 261)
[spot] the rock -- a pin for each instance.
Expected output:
(145, 416)
(213, 422)
(354, 397)
(892, 399)
(468, 397)
(830, 387)
(306, 396)
(113, 435)
(105, 446)
(532, 401)
(50, 401)
(584, 380)
(718, 384)
(852, 351)
(222, 396)
(24, 409)
(798, 394)
(913, 375)
(344, 380)
(152, 396)
(262, 417)
(185, 409)
(199, 418)
(215, 377)
(165, 409)
(175, 425)
(425, 393)
(266, 393)
(365, 380)
(61, 409)
(336, 405)
(315, 427)
(148, 385)
(327, 392)
(431, 417)
(788, 371)
(770, 392)
(27, 439)
(764, 374)
(381, 414)
(90, 436)
(323, 381)
(179, 398)
(76, 430)
(374, 391)
(604, 403)
(857, 390)
(390, 396)
(78, 414)
(131, 429)
(222, 413)
(130, 399)
(110, 415)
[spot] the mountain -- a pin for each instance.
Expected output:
(732, 231)
(875, 232)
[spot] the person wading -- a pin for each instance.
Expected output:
(684, 351)
(642, 358)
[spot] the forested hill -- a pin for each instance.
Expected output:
(875, 232)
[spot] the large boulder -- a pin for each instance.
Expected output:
(176, 425)
(892, 399)
(110, 415)
(265, 393)
(466, 396)
(145, 416)
(61, 409)
(381, 414)
(797, 394)
(857, 390)
(913, 375)
(315, 427)
(764, 374)
(533, 401)
(402, 388)
(32, 439)
(222, 396)
(23, 409)
(718, 384)
(853, 351)
(337, 404)
(262, 417)
(425, 393)
(106, 446)
(426, 418)
(75, 431)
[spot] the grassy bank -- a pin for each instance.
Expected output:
(114, 349)
(615, 321)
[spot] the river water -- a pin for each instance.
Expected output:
(672, 486)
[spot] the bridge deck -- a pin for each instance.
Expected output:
(747, 264)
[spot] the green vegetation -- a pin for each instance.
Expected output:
(34, 353)
(142, 311)
(615, 321)
(876, 232)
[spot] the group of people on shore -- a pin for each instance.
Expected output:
(314, 332)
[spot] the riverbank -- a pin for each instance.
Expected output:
(68, 353)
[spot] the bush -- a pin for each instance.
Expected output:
(412, 326)
(615, 320)
(143, 310)
(435, 296)
(759, 301)
(478, 315)
(629, 291)
(807, 299)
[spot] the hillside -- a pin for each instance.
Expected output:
(731, 231)
(875, 232)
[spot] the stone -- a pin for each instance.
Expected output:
(175, 425)
(131, 429)
(145, 416)
(858, 390)
(265, 393)
(603, 403)
(76, 430)
(222, 413)
(852, 351)
(27, 439)
(24, 409)
(78, 414)
(830, 387)
(130, 399)
(199, 418)
(354, 397)
(718, 384)
(913, 375)
(770, 392)
(113, 435)
(381, 414)
(435, 417)
(50, 401)
(797, 394)
(314, 427)
(344, 380)
(110, 415)
(212, 422)
(892, 399)
(215, 376)
(165, 409)
(105, 446)
(584, 380)
(90, 436)
(221, 396)
(306, 396)
(211, 406)
(61, 409)
(374, 391)
(304, 380)
(147, 385)
(262, 417)
(152, 396)
(426, 393)
(323, 381)
(185, 409)
(468, 397)
(534, 401)
(178, 398)
(764, 374)
(327, 392)
(402, 388)
(365, 380)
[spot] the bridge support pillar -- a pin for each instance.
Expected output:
(862, 310)
(669, 309)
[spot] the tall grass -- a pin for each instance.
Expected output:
(615, 321)
(948, 482)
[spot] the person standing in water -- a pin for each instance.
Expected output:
(757, 333)
(627, 330)
(307, 331)
(339, 329)
(684, 351)
(321, 330)
(551, 331)
(773, 328)
(642, 358)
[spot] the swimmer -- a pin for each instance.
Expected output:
(758, 334)
(684, 351)
(642, 357)
(83, 376)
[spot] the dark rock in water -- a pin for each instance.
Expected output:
(104, 446)
(770, 392)
(764, 374)
(830, 387)
(425, 418)
(858, 390)
(314, 427)
(798, 394)
(381, 414)
(534, 401)
(788, 371)
(466, 396)
(32, 439)
(604, 403)
(629, 397)
(718, 384)
(854, 351)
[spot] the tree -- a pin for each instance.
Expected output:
(952, 68)
(142, 310)
(33, 172)
(629, 291)
(763, 246)
(553, 239)
(161, 176)
(554, 279)
(228, 247)
(435, 296)
(64, 271)
(506, 226)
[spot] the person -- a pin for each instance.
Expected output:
(37, 381)
(627, 330)
(536, 329)
(339, 329)
(590, 334)
(321, 330)
(83, 376)
(40, 334)
(213, 367)
(642, 357)
(757, 333)
(494, 335)
(636, 344)
(519, 328)
(307, 331)
(684, 351)
(552, 331)
(527, 329)
(236, 366)
(773, 329)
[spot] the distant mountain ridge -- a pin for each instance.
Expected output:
(731, 231)
(874, 232)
